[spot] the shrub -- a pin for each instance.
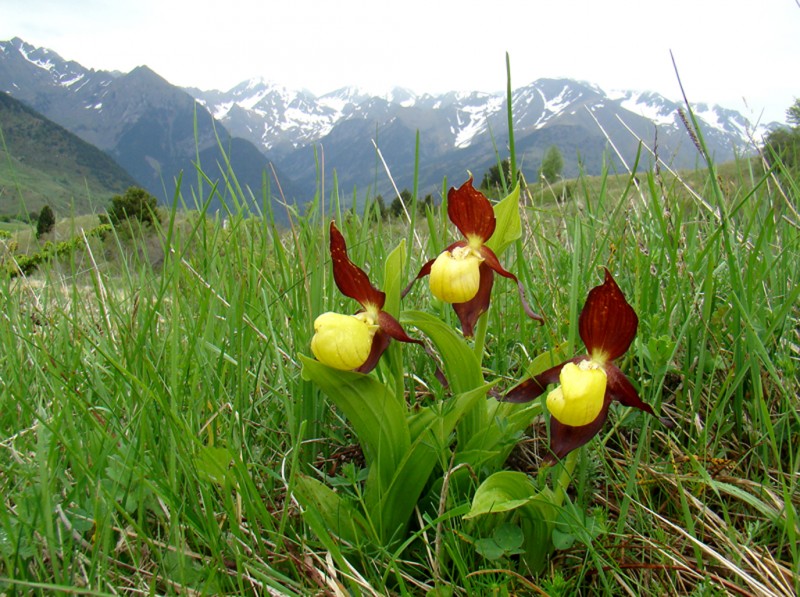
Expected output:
(552, 164)
(782, 146)
(135, 204)
(45, 222)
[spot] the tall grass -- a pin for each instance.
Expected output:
(152, 417)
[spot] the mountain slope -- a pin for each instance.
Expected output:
(461, 131)
(157, 131)
(43, 163)
(154, 130)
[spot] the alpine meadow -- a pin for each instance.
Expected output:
(524, 384)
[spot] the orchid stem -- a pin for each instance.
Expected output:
(565, 478)
(480, 336)
(399, 379)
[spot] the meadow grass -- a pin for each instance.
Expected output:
(153, 417)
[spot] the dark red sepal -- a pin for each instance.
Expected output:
(380, 342)
(565, 438)
(389, 328)
(392, 327)
(469, 312)
(471, 211)
(621, 389)
(490, 259)
(423, 271)
(607, 323)
(535, 386)
(351, 279)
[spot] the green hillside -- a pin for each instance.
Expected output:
(41, 162)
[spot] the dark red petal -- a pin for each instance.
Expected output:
(620, 388)
(565, 438)
(607, 323)
(471, 211)
(351, 279)
(469, 312)
(380, 342)
(492, 261)
(533, 387)
(423, 271)
(392, 327)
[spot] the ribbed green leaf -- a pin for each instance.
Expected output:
(508, 491)
(501, 492)
(376, 414)
(393, 279)
(497, 438)
(430, 433)
(338, 514)
(461, 366)
(509, 225)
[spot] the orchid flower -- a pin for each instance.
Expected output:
(354, 342)
(463, 274)
(588, 383)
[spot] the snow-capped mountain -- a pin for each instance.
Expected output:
(279, 120)
(157, 132)
(147, 124)
(272, 116)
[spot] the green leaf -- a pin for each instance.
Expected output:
(509, 225)
(509, 536)
(213, 464)
(430, 431)
(461, 366)
(537, 520)
(491, 445)
(489, 548)
(508, 491)
(573, 524)
(393, 278)
(562, 540)
(378, 417)
(501, 492)
(546, 360)
(506, 540)
(337, 513)
(400, 462)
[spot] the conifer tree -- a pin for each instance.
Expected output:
(552, 164)
(45, 222)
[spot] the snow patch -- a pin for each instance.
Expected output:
(221, 110)
(250, 102)
(558, 103)
(710, 115)
(72, 81)
(474, 121)
(334, 103)
(652, 110)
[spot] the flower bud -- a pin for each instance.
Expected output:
(455, 276)
(579, 399)
(343, 341)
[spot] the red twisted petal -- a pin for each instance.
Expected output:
(351, 279)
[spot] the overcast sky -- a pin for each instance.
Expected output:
(742, 54)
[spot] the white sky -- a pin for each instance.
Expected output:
(742, 54)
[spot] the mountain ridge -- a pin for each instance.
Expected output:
(156, 131)
(133, 117)
(467, 126)
(46, 164)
